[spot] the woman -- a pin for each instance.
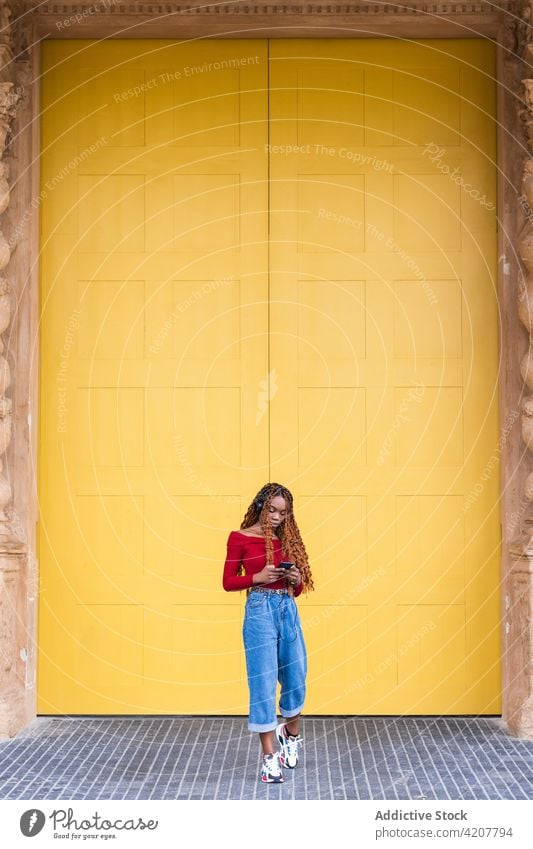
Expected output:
(272, 632)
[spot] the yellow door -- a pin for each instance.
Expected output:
(153, 352)
(384, 351)
(240, 285)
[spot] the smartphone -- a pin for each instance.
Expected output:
(285, 565)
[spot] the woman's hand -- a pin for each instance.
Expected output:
(294, 576)
(269, 575)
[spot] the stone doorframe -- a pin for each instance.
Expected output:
(23, 25)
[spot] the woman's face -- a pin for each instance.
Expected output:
(277, 511)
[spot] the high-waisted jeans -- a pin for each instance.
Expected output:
(275, 651)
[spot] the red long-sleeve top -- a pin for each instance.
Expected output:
(251, 552)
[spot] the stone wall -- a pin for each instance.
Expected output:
(22, 26)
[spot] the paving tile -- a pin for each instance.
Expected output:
(217, 758)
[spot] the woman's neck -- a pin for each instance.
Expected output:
(258, 532)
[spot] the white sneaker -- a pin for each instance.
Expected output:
(289, 743)
(270, 770)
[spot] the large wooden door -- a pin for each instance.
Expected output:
(384, 348)
(268, 261)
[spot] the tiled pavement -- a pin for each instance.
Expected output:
(217, 758)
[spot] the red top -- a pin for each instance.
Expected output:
(250, 551)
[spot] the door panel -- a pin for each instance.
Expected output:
(154, 308)
(382, 282)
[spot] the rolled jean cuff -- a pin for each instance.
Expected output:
(253, 726)
(287, 714)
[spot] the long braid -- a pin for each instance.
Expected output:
(289, 533)
(292, 543)
(266, 527)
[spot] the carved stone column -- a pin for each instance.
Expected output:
(518, 613)
(13, 703)
(520, 641)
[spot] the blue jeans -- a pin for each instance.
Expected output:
(275, 651)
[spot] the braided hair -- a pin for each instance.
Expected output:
(287, 532)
